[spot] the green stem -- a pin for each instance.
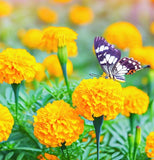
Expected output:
(16, 88)
(63, 147)
(98, 121)
(131, 145)
(132, 123)
(66, 78)
(137, 141)
(135, 152)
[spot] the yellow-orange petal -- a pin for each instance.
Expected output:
(123, 35)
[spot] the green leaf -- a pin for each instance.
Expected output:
(1, 157)
(9, 155)
(20, 156)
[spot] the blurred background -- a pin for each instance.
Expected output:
(90, 19)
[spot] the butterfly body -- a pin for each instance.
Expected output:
(110, 60)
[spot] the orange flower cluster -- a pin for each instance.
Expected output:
(145, 55)
(136, 101)
(5, 8)
(17, 65)
(57, 123)
(53, 66)
(54, 37)
(81, 15)
(6, 123)
(47, 15)
(123, 35)
(47, 157)
(97, 97)
(31, 38)
(149, 148)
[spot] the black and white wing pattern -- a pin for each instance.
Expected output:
(106, 54)
(125, 66)
(112, 65)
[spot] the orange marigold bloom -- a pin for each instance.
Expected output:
(145, 55)
(152, 27)
(84, 139)
(123, 35)
(47, 157)
(47, 15)
(136, 101)
(149, 148)
(5, 8)
(72, 49)
(57, 123)
(54, 37)
(40, 74)
(81, 15)
(32, 38)
(6, 123)
(97, 97)
(17, 65)
(53, 66)
(92, 134)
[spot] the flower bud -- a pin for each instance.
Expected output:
(62, 55)
(138, 136)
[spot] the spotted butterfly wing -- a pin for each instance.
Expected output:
(106, 54)
(109, 59)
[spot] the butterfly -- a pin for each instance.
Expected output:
(111, 62)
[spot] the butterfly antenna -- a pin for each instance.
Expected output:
(94, 75)
(146, 66)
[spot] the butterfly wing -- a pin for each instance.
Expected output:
(107, 55)
(125, 66)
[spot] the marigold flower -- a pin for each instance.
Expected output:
(84, 139)
(97, 97)
(152, 27)
(123, 35)
(40, 74)
(32, 38)
(136, 101)
(47, 157)
(144, 55)
(53, 66)
(72, 49)
(17, 65)
(81, 15)
(54, 37)
(92, 134)
(6, 123)
(57, 123)
(47, 15)
(149, 148)
(5, 8)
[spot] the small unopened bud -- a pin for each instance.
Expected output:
(62, 55)
(138, 136)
